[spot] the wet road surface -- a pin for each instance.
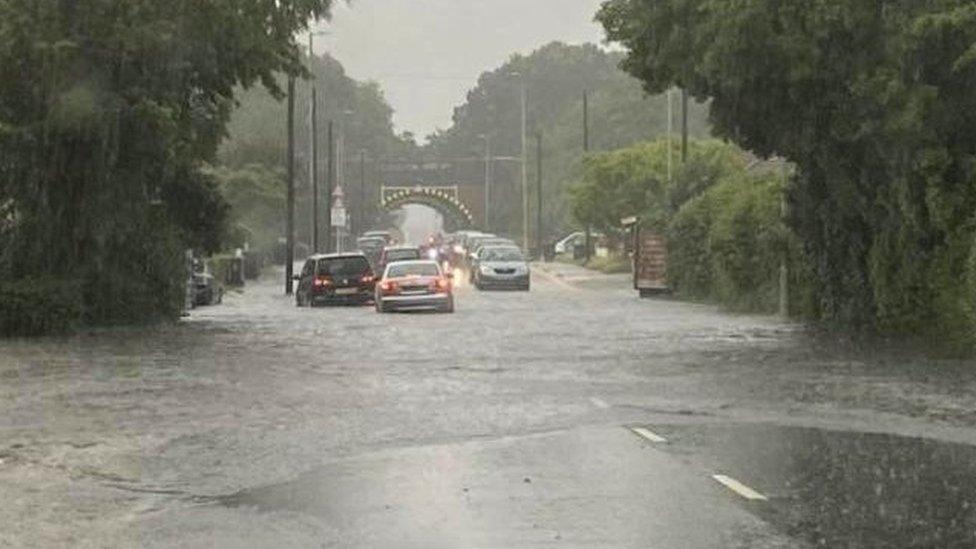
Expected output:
(509, 423)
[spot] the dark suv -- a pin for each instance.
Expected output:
(335, 278)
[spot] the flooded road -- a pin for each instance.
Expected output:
(260, 424)
(844, 489)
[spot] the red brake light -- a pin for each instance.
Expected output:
(322, 282)
(388, 286)
(368, 278)
(443, 284)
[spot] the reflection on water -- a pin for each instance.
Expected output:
(841, 489)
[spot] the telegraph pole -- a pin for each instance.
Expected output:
(290, 215)
(328, 190)
(525, 180)
(361, 225)
(586, 120)
(538, 197)
(684, 125)
(315, 169)
(586, 149)
(487, 139)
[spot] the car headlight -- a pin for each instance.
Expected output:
(485, 270)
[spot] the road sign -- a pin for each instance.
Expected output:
(339, 217)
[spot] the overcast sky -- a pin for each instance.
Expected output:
(428, 53)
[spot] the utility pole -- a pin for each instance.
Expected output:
(525, 179)
(361, 225)
(487, 139)
(538, 197)
(328, 190)
(315, 169)
(784, 272)
(290, 214)
(670, 132)
(684, 125)
(586, 120)
(587, 238)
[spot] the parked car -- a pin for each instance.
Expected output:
(414, 285)
(205, 289)
(570, 243)
(502, 267)
(397, 253)
(335, 278)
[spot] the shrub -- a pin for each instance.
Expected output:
(727, 245)
(689, 250)
(39, 306)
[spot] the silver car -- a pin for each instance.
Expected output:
(502, 267)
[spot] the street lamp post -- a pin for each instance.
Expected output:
(525, 177)
(487, 139)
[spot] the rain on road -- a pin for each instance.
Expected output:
(574, 416)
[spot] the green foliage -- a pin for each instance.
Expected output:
(634, 181)
(727, 244)
(257, 146)
(873, 102)
(38, 306)
(690, 271)
(107, 110)
(256, 195)
(555, 76)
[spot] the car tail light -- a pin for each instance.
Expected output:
(321, 282)
(389, 287)
(368, 278)
(442, 284)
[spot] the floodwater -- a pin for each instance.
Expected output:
(250, 424)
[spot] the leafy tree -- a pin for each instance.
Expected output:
(107, 109)
(361, 117)
(872, 101)
(555, 77)
(634, 181)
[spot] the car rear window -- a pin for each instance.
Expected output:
(401, 255)
(501, 254)
(343, 266)
(413, 269)
(371, 243)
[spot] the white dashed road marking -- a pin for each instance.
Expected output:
(739, 488)
(599, 403)
(645, 433)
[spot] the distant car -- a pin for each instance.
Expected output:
(414, 285)
(472, 243)
(567, 244)
(397, 253)
(372, 248)
(472, 260)
(502, 267)
(335, 278)
(385, 235)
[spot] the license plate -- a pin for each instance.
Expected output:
(347, 291)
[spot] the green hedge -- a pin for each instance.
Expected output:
(727, 245)
(39, 306)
